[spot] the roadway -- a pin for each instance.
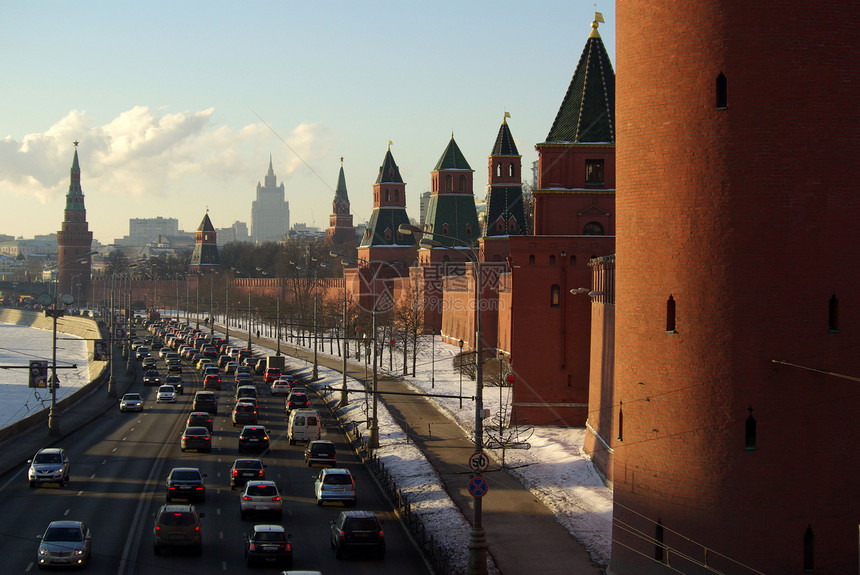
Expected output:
(118, 466)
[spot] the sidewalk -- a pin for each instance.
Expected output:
(521, 532)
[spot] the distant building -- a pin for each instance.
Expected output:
(238, 232)
(340, 222)
(425, 201)
(270, 214)
(29, 248)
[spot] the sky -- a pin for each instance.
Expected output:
(178, 106)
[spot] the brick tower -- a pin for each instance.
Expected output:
(204, 258)
(382, 241)
(340, 228)
(451, 211)
(505, 187)
(735, 399)
(74, 242)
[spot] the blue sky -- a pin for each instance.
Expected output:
(178, 105)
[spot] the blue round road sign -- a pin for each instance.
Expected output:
(478, 487)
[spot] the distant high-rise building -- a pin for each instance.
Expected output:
(425, 201)
(144, 230)
(238, 232)
(74, 241)
(270, 214)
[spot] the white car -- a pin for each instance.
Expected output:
(64, 544)
(49, 465)
(281, 386)
(166, 393)
(335, 484)
(260, 497)
(131, 402)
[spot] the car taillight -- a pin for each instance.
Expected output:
(260, 473)
(276, 498)
(381, 534)
(251, 547)
(246, 498)
(235, 473)
(266, 437)
(199, 488)
(157, 528)
(196, 528)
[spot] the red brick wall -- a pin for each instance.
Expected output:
(744, 216)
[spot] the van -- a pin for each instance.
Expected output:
(304, 425)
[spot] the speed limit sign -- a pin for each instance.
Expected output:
(479, 462)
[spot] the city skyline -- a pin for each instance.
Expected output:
(175, 123)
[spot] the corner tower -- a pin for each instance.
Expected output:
(736, 333)
(74, 241)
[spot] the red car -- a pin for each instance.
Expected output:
(271, 374)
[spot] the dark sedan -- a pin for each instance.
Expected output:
(151, 377)
(268, 544)
(196, 438)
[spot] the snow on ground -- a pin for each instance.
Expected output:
(20, 344)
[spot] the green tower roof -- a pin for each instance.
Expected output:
(452, 158)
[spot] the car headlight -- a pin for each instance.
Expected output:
(79, 552)
(43, 551)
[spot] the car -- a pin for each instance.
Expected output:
(335, 484)
(243, 378)
(136, 343)
(131, 402)
(64, 543)
(212, 382)
(205, 401)
(260, 496)
(149, 363)
(230, 366)
(151, 377)
(268, 544)
(223, 359)
(243, 369)
(357, 531)
(176, 382)
(246, 391)
(49, 465)
(297, 400)
(162, 353)
(244, 413)
(141, 352)
(212, 369)
(253, 437)
(166, 393)
(321, 452)
(243, 470)
(186, 483)
(202, 363)
(304, 425)
(210, 351)
(271, 374)
(280, 386)
(199, 419)
(177, 525)
(196, 438)
(174, 364)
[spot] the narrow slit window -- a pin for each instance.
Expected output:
(620, 421)
(833, 314)
(512, 171)
(809, 551)
(750, 430)
(670, 315)
(722, 92)
(462, 183)
(554, 297)
(552, 260)
(531, 259)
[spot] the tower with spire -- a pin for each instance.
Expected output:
(341, 229)
(204, 258)
(382, 242)
(270, 214)
(505, 216)
(74, 241)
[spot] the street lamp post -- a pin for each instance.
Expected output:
(54, 313)
(477, 560)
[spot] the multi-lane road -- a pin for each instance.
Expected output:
(118, 469)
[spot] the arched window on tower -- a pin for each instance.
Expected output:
(500, 225)
(388, 234)
(592, 229)
(512, 170)
(555, 296)
(462, 185)
(750, 431)
(445, 229)
(722, 92)
(387, 195)
(396, 195)
(499, 169)
(468, 229)
(512, 225)
(552, 260)
(449, 183)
